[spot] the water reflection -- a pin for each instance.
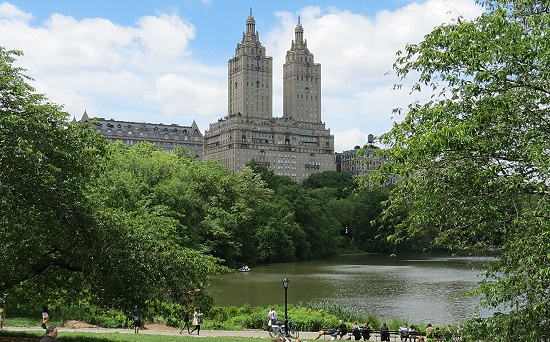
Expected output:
(419, 288)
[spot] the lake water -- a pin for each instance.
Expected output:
(418, 288)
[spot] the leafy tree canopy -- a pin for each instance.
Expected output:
(67, 234)
(473, 160)
(343, 182)
(45, 165)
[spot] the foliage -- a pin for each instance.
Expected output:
(67, 234)
(110, 320)
(309, 316)
(45, 167)
(321, 229)
(343, 182)
(357, 215)
(90, 224)
(303, 318)
(313, 217)
(473, 160)
(335, 310)
(268, 176)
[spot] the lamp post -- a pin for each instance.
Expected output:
(285, 285)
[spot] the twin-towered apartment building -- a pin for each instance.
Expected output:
(296, 144)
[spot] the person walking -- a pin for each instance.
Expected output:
(272, 321)
(197, 321)
(45, 315)
(185, 322)
(51, 334)
(137, 321)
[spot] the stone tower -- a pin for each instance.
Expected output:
(302, 81)
(250, 78)
(297, 144)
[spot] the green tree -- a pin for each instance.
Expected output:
(216, 212)
(473, 160)
(358, 213)
(321, 229)
(45, 166)
(343, 182)
(269, 177)
(69, 236)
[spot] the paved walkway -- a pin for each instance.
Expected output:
(209, 333)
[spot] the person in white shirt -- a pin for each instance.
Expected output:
(272, 321)
(404, 332)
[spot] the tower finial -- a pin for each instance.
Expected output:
(298, 20)
(250, 23)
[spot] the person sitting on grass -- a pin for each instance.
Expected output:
(285, 339)
(330, 331)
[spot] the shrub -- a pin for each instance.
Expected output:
(110, 319)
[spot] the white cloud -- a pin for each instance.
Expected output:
(357, 53)
(147, 71)
(179, 93)
(351, 138)
(9, 12)
(105, 68)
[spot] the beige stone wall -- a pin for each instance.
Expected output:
(297, 144)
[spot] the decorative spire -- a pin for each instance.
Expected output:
(250, 23)
(299, 33)
(85, 117)
(195, 127)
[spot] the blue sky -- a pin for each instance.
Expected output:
(165, 61)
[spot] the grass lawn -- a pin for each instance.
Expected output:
(69, 336)
(17, 336)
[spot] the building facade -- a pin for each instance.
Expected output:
(297, 144)
(361, 165)
(350, 162)
(165, 137)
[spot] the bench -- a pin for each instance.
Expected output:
(395, 335)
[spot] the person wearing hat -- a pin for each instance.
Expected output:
(51, 334)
